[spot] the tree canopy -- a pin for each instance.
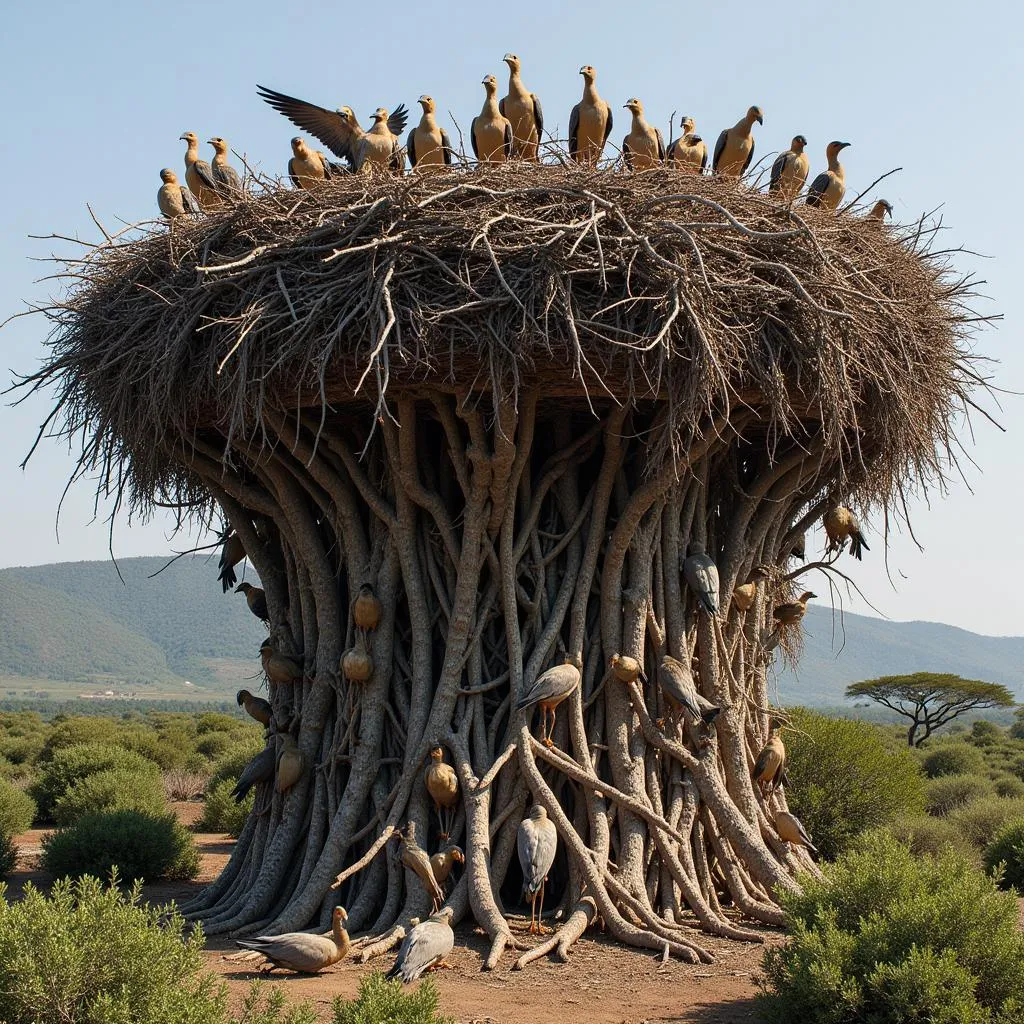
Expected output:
(931, 699)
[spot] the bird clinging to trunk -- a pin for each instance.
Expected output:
(443, 786)
(643, 148)
(416, 859)
(302, 952)
(677, 681)
(173, 199)
(549, 689)
(829, 187)
(231, 553)
(792, 831)
(523, 110)
(428, 145)
(256, 707)
(790, 170)
(490, 132)
(701, 575)
(841, 524)
(426, 945)
(590, 122)
(225, 177)
(259, 769)
(366, 610)
(792, 612)
(771, 762)
(444, 860)
(256, 599)
(277, 667)
(734, 149)
(290, 765)
(626, 669)
(537, 843)
(199, 174)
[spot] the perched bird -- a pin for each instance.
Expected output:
(256, 707)
(231, 553)
(792, 611)
(791, 830)
(701, 575)
(199, 174)
(799, 548)
(306, 168)
(225, 177)
(443, 861)
(537, 842)
(256, 599)
(428, 145)
(743, 596)
(676, 680)
(790, 170)
(302, 952)
(173, 199)
(626, 669)
(643, 148)
(522, 109)
(735, 146)
(426, 945)
(290, 765)
(689, 151)
(771, 762)
(590, 122)
(278, 668)
(443, 787)
(881, 210)
(549, 689)
(259, 769)
(840, 523)
(416, 858)
(379, 148)
(490, 131)
(366, 609)
(829, 187)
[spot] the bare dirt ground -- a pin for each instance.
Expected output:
(601, 984)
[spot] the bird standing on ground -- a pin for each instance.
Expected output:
(256, 707)
(735, 146)
(426, 945)
(443, 861)
(590, 122)
(522, 109)
(829, 187)
(443, 786)
(792, 831)
(644, 147)
(306, 168)
(379, 148)
(771, 761)
(792, 612)
(199, 174)
(231, 553)
(881, 210)
(701, 575)
(677, 681)
(626, 669)
(225, 177)
(290, 765)
(537, 842)
(302, 952)
(428, 145)
(259, 769)
(256, 599)
(840, 523)
(277, 667)
(689, 151)
(790, 170)
(173, 199)
(549, 689)
(490, 131)
(416, 859)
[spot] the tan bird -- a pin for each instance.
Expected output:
(643, 148)
(792, 612)
(416, 859)
(379, 149)
(841, 524)
(278, 668)
(366, 609)
(256, 599)
(792, 831)
(549, 689)
(735, 146)
(256, 707)
(522, 108)
(771, 761)
(490, 131)
(537, 843)
(290, 765)
(173, 199)
(881, 210)
(444, 860)
(306, 168)
(231, 553)
(225, 177)
(744, 595)
(689, 152)
(428, 145)
(199, 174)
(443, 787)
(302, 952)
(829, 187)
(590, 122)
(790, 170)
(626, 669)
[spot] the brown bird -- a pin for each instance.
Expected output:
(791, 612)
(771, 762)
(537, 843)
(735, 146)
(225, 177)
(792, 831)
(256, 707)
(302, 952)
(279, 668)
(549, 689)
(175, 200)
(306, 168)
(643, 148)
(259, 769)
(490, 132)
(444, 860)
(743, 596)
(231, 553)
(677, 682)
(366, 609)
(357, 664)
(881, 210)
(790, 170)
(256, 599)
(415, 858)
(689, 152)
(443, 787)
(840, 523)
(199, 174)
(290, 765)
(829, 187)
(626, 669)
(590, 122)
(428, 145)
(522, 108)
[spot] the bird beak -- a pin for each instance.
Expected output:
(760, 120)
(697, 138)
(843, 145)
(182, 137)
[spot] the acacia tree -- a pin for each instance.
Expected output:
(511, 399)
(931, 699)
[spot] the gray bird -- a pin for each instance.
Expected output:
(701, 575)
(259, 769)
(549, 689)
(676, 680)
(301, 951)
(225, 177)
(424, 947)
(537, 843)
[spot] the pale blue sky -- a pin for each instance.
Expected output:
(97, 94)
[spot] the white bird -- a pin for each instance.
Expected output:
(537, 844)
(426, 945)
(701, 575)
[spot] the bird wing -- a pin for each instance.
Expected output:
(574, 128)
(538, 115)
(528, 845)
(608, 124)
(704, 158)
(326, 125)
(446, 148)
(397, 161)
(776, 173)
(204, 172)
(429, 943)
(291, 172)
(508, 139)
(764, 762)
(191, 206)
(676, 682)
(817, 189)
(398, 120)
(501, 106)
(227, 178)
(670, 153)
(719, 148)
(627, 154)
(750, 156)
(306, 951)
(661, 143)
(410, 146)
(472, 137)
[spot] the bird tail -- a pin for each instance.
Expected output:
(227, 578)
(813, 849)
(710, 605)
(710, 714)
(858, 545)
(240, 791)
(525, 702)
(256, 944)
(393, 973)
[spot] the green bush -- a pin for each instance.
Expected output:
(845, 778)
(73, 732)
(8, 855)
(221, 813)
(217, 721)
(111, 790)
(90, 954)
(214, 745)
(17, 809)
(947, 792)
(980, 820)
(1008, 785)
(952, 759)
(262, 1006)
(233, 761)
(137, 845)
(985, 733)
(925, 834)
(385, 1002)
(1005, 855)
(889, 938)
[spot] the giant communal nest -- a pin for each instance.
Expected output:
(693, 291)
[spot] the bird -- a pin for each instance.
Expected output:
(416, 858)
(302, 952)
(225, 177)
(443, 787)
(306, 168)
(549, 689)
(590, 122)
(426, 945)
(259, 769)
(689, 151)
(277, 667)
(791, 612)
(701, 575)
(444, 860)
(790, 170)
(231, 553)
(428, 145)
(771, 761)
(366, 609)
(735, 146)
(791, 830)
(829, 187)
(256, 599)
(841, 524)
(357, 664)
(799, 547)
(523, 111)
(626, 669)
(290, 765)
(379, 148)
(676, 680)
(173, 199)
(256, 707)
(537, 842)
(743, 596)
(881, 210)
(643, 148)
(199, 174)
(490, 132)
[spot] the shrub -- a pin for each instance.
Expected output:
(927, 835)
(221, 813)
(891, 938)
(948, 792)
(381, 1001)
(214, 745)
(1006, 854)
(846, 778)
(8, 855)
(91, 954)
(111, 790)
(137, 845)
(985, 733)
(182, 784)
(73, 732)
(980, 820)
(231, 764)
(260, 1007)
(217, 721)
(17, 809)
(1008, 785)
(952, 759)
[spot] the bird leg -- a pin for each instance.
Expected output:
(548, 741)
(533, 915)
(540, 917)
